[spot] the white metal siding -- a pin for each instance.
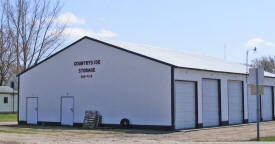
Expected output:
(266, 104)
(235, 102)
(185, 114)
(210, 102)
(124, 85)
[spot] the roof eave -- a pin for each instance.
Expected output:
(102, 42)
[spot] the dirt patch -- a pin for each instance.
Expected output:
(10, 133)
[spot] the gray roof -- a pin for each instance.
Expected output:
(6, 89)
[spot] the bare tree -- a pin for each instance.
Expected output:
(35, 34)
(268, 63)
(7, 51)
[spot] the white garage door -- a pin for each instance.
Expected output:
(266, 104)
(185, 111)
(210, 98)
(235, 102)
(252, 107)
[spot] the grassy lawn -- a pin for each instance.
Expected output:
(8, 117)
(271, 138)
(268, 138)
(17, 131)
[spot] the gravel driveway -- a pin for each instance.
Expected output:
(10, 133)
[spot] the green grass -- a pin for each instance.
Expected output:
(16, 131)
(8, 117)
(271, 138)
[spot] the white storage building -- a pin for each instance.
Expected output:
(152, 87)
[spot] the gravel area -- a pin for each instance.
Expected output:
(10, 133)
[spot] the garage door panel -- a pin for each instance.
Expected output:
(210, 123)
(210, 94)
(185, 111)
(237, 110)
(252, 107)
(211, 110)
(211, 101)
(266, 104)
(187, 105)
(235, 102)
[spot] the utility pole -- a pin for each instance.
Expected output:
(258, 104)
(256, 79)
(258, 126)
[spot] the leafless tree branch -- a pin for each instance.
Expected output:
(35, 35)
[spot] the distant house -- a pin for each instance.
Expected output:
(12, 82)
(8, 100)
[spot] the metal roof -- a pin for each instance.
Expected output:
(182, 59)
(171, 57)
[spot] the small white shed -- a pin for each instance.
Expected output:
(8, 100)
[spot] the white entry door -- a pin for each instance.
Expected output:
(266, 103)
(67, 110)
(235, 102)
(32, 109)
(210, 100)
(185, 105)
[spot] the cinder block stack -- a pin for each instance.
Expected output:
(92, 119)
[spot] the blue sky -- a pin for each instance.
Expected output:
(197, 26)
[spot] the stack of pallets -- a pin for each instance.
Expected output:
(92, 119)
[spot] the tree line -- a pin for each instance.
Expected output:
(28, 34)
(267, 62)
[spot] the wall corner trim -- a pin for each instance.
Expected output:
(172, 98)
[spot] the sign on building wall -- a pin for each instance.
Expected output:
(86, 68)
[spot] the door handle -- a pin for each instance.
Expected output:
(72, 109)
(36, 109)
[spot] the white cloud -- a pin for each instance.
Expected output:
(69, 18)
(258, 42)
(105, 34)
(75, 33)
